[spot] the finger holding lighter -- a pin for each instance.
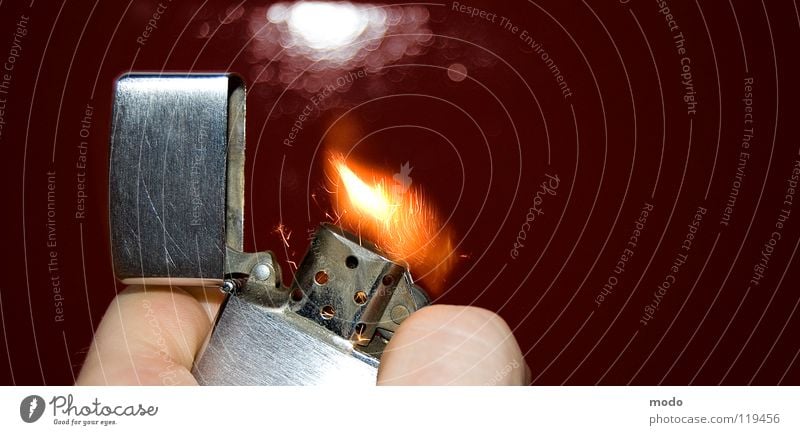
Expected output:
(151, 337)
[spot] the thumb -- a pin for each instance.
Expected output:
(150, 336)
(453, 345)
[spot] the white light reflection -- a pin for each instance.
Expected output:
(328, 26)
(326, 31)
(310, 44)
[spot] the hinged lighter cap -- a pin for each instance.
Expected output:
(176, 177)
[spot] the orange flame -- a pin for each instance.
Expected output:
(396, 218)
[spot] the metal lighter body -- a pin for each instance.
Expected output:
(176, 188)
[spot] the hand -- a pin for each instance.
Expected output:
(150, 336)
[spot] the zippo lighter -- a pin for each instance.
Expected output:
(176, 209)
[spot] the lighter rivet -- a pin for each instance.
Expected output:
(228, 286)
(261, 272)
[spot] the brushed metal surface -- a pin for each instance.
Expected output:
(262, 338)
(253, 345)
(168, 172)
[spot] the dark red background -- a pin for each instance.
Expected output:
(608, 143)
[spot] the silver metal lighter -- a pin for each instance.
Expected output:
(176, 189)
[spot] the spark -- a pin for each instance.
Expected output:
(281, 230)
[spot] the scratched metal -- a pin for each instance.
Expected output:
(169, 144)
(256, 342)
(254, 345)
